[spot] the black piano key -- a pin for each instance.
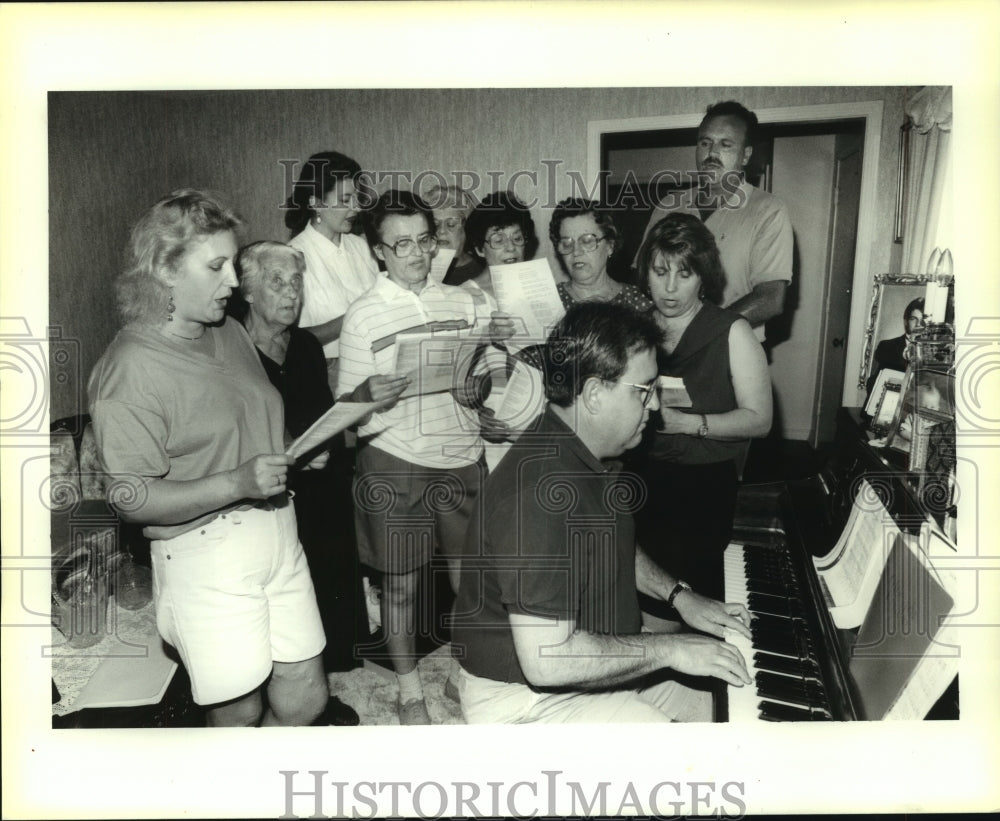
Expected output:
(775, 605)
(772, 711)
(804, 668)
(784, 646)
(794, 690)
(787, 635)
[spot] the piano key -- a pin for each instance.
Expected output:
(780, 655)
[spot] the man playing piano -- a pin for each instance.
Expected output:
(547, 620)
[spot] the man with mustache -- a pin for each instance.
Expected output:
(547, 624)
(750, 226)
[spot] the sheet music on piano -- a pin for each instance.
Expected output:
(906, 655)
(850, 572)
(805, 667)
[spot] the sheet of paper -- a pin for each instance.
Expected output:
(521, 400)
(340, 417)
(441, 262)
(673, 394)
(435, 362)
(527, 291)
(850, 572)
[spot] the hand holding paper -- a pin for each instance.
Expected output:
(340, 417)
(673, 394)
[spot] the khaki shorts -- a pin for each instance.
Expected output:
(405, 513)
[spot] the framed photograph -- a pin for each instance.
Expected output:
(886, 323)
(927, 402)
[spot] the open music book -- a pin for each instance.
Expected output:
(906, 653)
(849, 573)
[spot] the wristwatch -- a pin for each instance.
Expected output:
(703, 429)
(680, 586)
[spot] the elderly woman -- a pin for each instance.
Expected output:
(451, 206)
(585, 237)
(697, 452)
(188, 423)
(270, 275)
(321, 214)
(419, 464)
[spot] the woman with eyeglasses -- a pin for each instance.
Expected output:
(697, 452)
(499, 231)
(419, 463)
(271, 283)
(451, 206)
(585, 237)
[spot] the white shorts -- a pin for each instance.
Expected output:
(485, 701)
(233, 596)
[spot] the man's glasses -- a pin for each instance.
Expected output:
(499, 239)
(404, 247)
(588, 242)
(647, 391)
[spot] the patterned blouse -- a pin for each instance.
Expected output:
(629, 295)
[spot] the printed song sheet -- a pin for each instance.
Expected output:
(521, 400)
(340, 417)
(433, 361)
(850, 572)
(440, 263)
(527, 291)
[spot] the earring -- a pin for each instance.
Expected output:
(317, 217)
(171, 308)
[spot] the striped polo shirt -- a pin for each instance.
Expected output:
(431, 430)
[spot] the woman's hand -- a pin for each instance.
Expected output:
(491, 428)
(319, 462)
(384, 390)
(676, 422)
(501, 326)
(262, 477)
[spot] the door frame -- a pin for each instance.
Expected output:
(871, 112)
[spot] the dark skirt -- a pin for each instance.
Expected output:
(686, 524)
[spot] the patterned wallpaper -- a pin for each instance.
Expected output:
(113, 153)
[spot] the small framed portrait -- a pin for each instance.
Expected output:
(896, 313)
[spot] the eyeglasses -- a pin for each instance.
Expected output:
(588, 242)
(404, 247)
(277, 283)
(647, 391)
(499, 239)
(451, 223)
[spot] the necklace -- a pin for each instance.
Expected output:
(189, 338)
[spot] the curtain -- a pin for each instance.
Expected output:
(928, 205)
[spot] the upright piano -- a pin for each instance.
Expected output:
(799, 660)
